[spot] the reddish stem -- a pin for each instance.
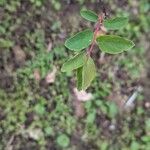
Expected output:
(98, 27)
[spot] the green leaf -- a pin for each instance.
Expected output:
(6, 43)
(116, 23)
(63, 140)
(91, 117)
(145, 138)
(89, 73)
(39, 109)
(112, 110)
(86, 74)
(135, 145)
(113, 44)
(74, 63)
(79, 78)
(48, 131)
(89, 15)
(80, 40)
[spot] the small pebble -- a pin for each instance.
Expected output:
(147, 104)
(112, 127)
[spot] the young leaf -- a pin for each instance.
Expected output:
(74, 63)
(89, 15)
(80, 40)
(116, 23)
(113, 44)
(86, 74)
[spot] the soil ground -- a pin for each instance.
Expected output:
(38, 104)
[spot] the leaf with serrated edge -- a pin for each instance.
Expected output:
(74, 62)
(115, 23)
(80, 40)
(88, 73)
(113, 44)
(89, 15)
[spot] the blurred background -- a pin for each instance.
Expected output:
(40, 108)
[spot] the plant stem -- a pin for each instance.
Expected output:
(98, 27)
